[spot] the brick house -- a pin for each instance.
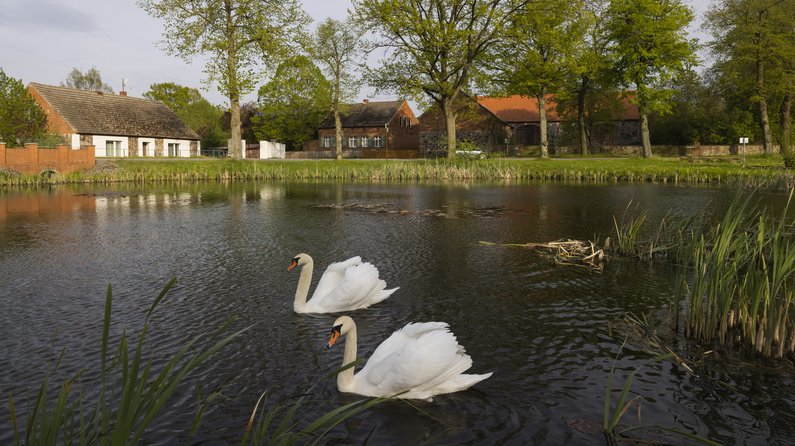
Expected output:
(117, 125)
(383, 125)
(494, 123)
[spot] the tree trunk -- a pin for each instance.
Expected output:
(786, 129)
(235, 149)
(337, 120)
(449, 123)
(338, 132)
(542, 122)
(764, 121)
(644, 132)
(581, 95)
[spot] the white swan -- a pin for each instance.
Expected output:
(344, 286)
(418, 361)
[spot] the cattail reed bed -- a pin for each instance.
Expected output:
(762, 172)
(735, 282)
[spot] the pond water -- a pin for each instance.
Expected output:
(543, 329)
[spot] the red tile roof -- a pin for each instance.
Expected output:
(519, 108)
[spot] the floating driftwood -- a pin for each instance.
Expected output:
(568, 252)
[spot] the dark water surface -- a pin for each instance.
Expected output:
(543, 329)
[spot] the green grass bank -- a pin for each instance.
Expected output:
(763, 172)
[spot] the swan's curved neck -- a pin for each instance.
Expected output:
(304, 281)
(345, 377)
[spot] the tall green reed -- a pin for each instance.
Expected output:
(131, 393)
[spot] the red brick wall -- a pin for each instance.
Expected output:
(32, 159)
(55, 123)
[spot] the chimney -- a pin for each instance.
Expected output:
(122, 93)
(365, 101)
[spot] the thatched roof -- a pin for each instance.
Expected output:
(97, 113)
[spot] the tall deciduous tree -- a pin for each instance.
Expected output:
(538, 51)
(21, 118)
(197, 112)
(90, 80)
(240, 38)
(650, 46)
(335, 48)
(434, 48)
(293, 103)
(750, 41)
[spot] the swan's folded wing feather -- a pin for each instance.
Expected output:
(417, 357)
(359, 287)
(332, 276)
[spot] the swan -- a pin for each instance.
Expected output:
(344, 286)
(416, 362)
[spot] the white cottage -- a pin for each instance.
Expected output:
(117, 125)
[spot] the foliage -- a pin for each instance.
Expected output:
(91, 80)
(754, 44)
(292, 104)
(21, 118)
(537, 51)
(132, 392)
(335, 47)
(198, 113)
(434, 48)
(649, 46)
(702, 115)
(239, 38)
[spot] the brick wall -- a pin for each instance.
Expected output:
(33, 159)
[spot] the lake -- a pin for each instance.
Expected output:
(548, 332)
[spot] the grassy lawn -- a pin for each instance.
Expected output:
(766, 172)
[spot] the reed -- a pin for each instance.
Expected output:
(131, 393)
(762, 172)
(740, 284)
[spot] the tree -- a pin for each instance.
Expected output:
(753, 40)
(293, 103)
(537, 52)
(433, 48)
(242, 38)
(198, 113)
(21, 118)
(649, 46)
(335, 46)
(91, 80)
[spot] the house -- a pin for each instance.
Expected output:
(379, 126)
(495, 123)
(117, 125)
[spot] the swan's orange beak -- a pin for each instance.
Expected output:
(293, 264)
(335, 335)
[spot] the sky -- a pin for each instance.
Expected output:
(43, 40)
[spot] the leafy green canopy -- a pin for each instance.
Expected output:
(198, 113)
(293, 103)
(91, 80)
(21, 118)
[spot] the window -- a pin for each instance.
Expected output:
(377, 141)
(173, 149)
(351, 141)
(364, 141)
(113, 148)
(326, 141)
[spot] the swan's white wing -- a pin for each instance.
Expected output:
(359, 286)
(423, 358)
(333, 275)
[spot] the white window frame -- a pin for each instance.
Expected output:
(364, 142)
(113, 148)
(326, 141)
(377, 141)
(351, 141)
(173, 149)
